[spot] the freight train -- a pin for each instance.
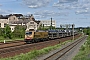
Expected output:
(37, 36)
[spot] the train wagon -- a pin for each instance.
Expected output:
(35, 36)
(53, 34)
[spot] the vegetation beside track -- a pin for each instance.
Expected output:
(33, 54)
(19, 32)
(6, 34)
(84, 53)
(7, 40)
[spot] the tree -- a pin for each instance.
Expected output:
(87, 31)
(1, 31)
(19, 32)
(7, 32)
(51, 27)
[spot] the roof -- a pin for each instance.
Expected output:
(37, 22)
(4, 17)
(20, 22)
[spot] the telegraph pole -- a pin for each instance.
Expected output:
(43, 26)
(61, 26)
(73, 30)
(51, 24)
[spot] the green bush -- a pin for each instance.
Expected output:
(19, 32)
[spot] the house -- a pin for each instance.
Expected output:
(29, 22)
(3, 21)
(15, 23)
(47, 23)
(33, 24)
(14, 20)
(18, 19)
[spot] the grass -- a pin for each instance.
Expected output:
(84, 53)
(7, 40)
(35, 53)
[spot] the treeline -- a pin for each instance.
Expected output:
(18, 32)
(17, 15)
(87, 31)
(6, 16)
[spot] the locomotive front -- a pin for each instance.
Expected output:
(28, 36)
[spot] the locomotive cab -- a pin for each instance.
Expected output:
(29, 36)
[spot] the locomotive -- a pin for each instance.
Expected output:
(37, 36)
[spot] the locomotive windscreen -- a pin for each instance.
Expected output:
(28, 33)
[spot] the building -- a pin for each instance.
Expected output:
(3, 22)
(33, 24)
(47, 23)
(18, 19)
(20, 22)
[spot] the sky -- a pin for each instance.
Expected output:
(62, 11)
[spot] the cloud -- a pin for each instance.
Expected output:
(83, 7)
(83, 18)
(62, 6)
(36, 3)
(67, 1)
(72, 4)
(65, 4)
(0, 4)
(47, 13)
(83, 12)
(5, 11)
(78, 6)
(5, 1)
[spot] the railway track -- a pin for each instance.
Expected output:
(61, 53)
(10, 42)
(16, 43)
(14, 49)
(23, 48)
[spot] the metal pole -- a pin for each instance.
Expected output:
(73, 30)
(51, 23)
(61, 26)
(43, 26)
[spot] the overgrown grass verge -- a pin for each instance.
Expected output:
(7, 40)
(35, 53)
(1, 38)
(84, 53)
